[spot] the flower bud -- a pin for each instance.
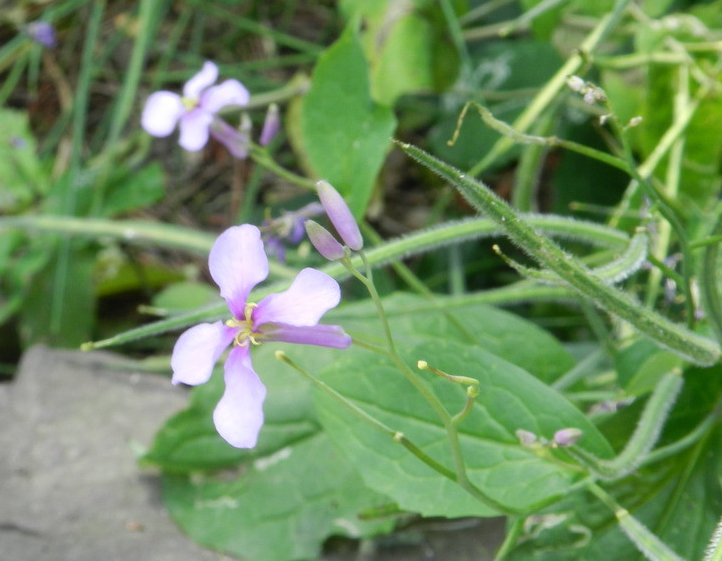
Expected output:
(575, 83)
(526, 438)
(233, 139)
(567, 437)
(42, 33)
(271, 125)
(340, 215)
(324, 241)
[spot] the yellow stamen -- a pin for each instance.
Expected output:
(244, 326)
(189, 103)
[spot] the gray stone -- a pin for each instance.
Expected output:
(70, 486)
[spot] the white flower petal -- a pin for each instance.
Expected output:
(194, 130)
(310, 296)
(161, 113)
(239, 414)
(230, 92)
(206, 77)
(238, 263)
(197, 350)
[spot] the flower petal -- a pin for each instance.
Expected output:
(207, 76)
(320, 335)
(238, 263)
(230, 92)
(161, 113)
(239, 414)
(235, 141)
(194, 129)
(197, 350)
(310, 296)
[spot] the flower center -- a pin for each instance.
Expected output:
(244, 326)
(189, 103)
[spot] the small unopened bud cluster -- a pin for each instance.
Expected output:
(343, 221)
(591, 93)
(562, 438)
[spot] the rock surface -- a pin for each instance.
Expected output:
(70, 487)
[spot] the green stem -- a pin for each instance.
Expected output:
(664, 452)
(709, 279)
(682, 341)
(515, 528)
(645, 435)
(549, 141)
(80, 111)
(552, 88)
(263, 159)
(649, 544)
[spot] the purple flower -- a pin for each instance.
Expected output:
(288, 226)
(196, 111)
(237, 263)
(42, 33)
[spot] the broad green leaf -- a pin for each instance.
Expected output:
(345, 134)
(502, 333)
(20, 261)
(21, 176)
(408, 62)
(510, 399)
(185, 296)
(134, 189)
(281, 507)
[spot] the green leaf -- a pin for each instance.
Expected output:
(345, 133)
(185, 296)
(21, 176)
(510, 399)
(500, 332)
(407, 62)
(134, 189)
(72, 323)
(281, 508)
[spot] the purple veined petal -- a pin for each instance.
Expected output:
(230, 92)
(239, 414)
(320, 335)
(311, 295)
(235, 141)
(207, 76)
(238, 263)
(194, 129)
(161, 113)
(197, 351)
